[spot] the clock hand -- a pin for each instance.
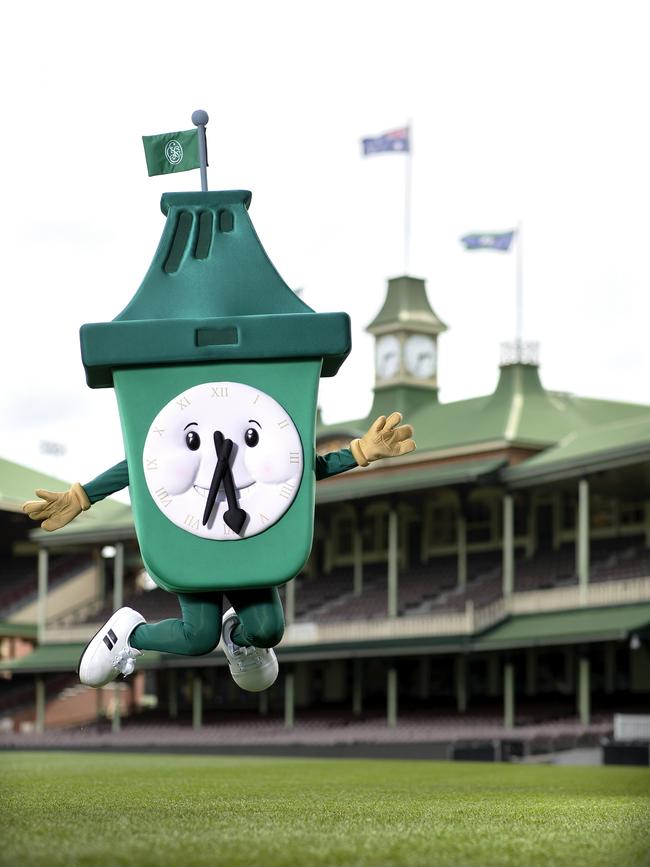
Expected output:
(223, 449)
(234, 517)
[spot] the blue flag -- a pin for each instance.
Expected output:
(489, 241)
(395, 140)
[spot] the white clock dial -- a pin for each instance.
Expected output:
(387, 355)
(263, 468)
(420, 356)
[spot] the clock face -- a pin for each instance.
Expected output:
(387, 354)
(420, 356)
(223, 461)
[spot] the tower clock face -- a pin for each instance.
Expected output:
(420, 356)
(387, 356)
(223, 461)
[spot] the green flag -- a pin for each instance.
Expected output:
(171, 152)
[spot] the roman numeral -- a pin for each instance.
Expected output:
(294, 457)
(226, 530)
(256, 399)
(219, 391)
(191, 522)
(159, 431)
(163, 496)
(152, 463)
(263, 518)
(183, 402)
(284, 423)
(286, 490)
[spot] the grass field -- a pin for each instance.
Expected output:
(138, 810)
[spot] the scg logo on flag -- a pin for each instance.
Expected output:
(173, 152)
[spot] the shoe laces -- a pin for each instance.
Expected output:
(124, 662)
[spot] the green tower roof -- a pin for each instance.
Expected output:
(211, 293)
(406, 305)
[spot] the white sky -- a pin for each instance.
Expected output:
(520, 110)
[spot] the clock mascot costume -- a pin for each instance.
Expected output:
(215, 363)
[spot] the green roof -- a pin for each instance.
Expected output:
(378, 479)
(616, 444)
(567, 627)
(407, 305)
(519, 412)
(18, 630)
(60, 657)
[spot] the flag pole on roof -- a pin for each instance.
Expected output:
(396, 141)
(200, 119)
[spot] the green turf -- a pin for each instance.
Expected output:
(90, 809)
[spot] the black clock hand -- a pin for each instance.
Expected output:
(234, 517)
(223, 449)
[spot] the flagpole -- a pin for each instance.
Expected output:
(199, 119)
(407, 198)
(519, 306)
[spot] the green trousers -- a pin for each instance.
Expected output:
(261, 623)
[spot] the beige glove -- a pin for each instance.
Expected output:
(57, 509)
(383, 440)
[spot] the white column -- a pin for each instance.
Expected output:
(508, 546)
(391, 697)
(582, 547)
(393, 554)
(462, 550)
(584, 690)
(508, 695)
(43, 566)
(358, 559)
(289, 700)
(197, 700)
(39, 683)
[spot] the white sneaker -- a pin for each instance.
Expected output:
(253, 668)
(108, 653)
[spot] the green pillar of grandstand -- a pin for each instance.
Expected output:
(43, 565)
(609, 650)
(357, 687)
(391, 697)
(584, 689)
(509, 695)
(357, 553)
(582, 539)
(118, 601)
(290, 601)
(100, 567)
(531, 671)
(172, 693)
(197, 700)
(462, 549)
(289, 700)
(508, 546)
(460, 678)
(393, 555)
(39, 722)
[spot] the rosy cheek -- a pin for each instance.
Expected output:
(179, 473)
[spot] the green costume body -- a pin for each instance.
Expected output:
(261, 619)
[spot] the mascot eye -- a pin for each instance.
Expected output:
(193, 440)
(251, 437)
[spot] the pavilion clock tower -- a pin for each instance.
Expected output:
(406, 333)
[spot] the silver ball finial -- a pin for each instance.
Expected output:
(200, 117)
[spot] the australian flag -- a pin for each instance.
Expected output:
(395, 140)
(489, 241)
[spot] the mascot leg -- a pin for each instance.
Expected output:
(250, 629)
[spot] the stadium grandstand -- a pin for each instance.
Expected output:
(493, 584)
